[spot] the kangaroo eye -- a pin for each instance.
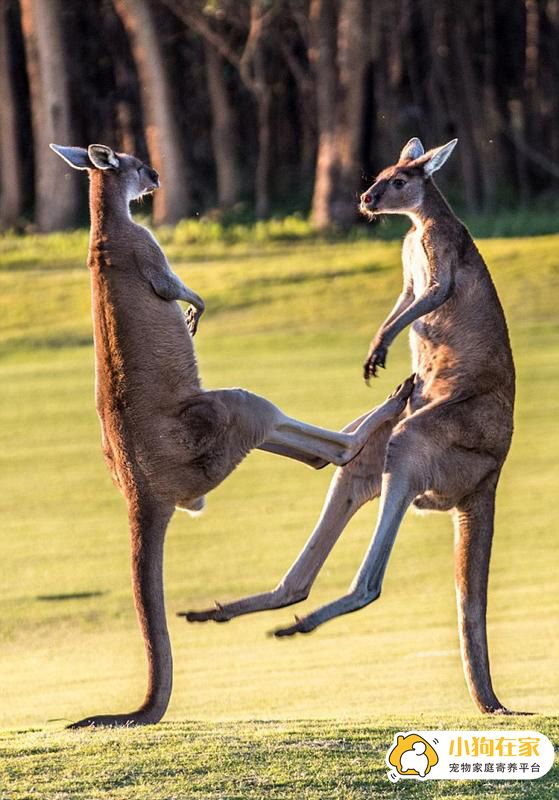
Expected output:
(398, 183)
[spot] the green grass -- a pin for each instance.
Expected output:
(290, 320)
(305, 760)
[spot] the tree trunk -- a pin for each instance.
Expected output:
(173, 201)
(252, 70)
(385, 52)
(466, 95)
(251, 65)
(489, 145)
(263, 97)
(322, 55)
(449, 59)
(353, 60)
(57, 198)
(338, 53)
(531, 101)
(223, 128)
(437, 115)
(11, 180)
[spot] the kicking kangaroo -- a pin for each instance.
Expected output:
(167, 441)
(447, 450)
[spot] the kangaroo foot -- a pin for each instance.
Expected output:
(301, 625)
(217, 614)
(116, 721)
(397, 401)
(506, 712)
(404, 390)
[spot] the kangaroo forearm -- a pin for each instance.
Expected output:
(189, 296)
(164, 281)
(432, 299)
(403, 302)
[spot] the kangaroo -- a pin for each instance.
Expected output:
(168, 442)
(446, 451)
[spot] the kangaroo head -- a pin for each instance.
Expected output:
(400, 189)
(128, 174)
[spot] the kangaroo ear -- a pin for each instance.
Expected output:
(434, 159)
(76, 157)
(412, 150)
(102, 156)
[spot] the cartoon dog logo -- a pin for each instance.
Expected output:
(412, 756)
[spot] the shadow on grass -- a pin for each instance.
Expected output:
(38, 345)
(56, 598)
(311, 277)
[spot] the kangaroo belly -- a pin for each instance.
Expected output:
(450, 364)
(434, 363)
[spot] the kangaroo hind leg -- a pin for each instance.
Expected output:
(403, 479)
(340, 447)
(414, 465)
(473, 523)
(148, 524)
(351, 487)
(397, 494)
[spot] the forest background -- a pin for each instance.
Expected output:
(249, 108)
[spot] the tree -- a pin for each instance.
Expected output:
(248, 58)
(11, 181)
(173, 201)
(223, 130)
(286, 98)
(338, 52)
(57, 197)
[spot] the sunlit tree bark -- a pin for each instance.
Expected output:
(57, 198)
(291, 98)
(173, 201)
(339, 55)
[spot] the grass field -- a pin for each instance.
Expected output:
(307, 717)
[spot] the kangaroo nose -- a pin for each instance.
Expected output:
(366, 198)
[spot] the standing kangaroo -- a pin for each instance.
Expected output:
(446, 451)
(167, 441)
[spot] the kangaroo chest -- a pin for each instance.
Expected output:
(416, 264)
(425, 339)
(145, 368)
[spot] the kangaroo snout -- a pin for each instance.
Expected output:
(370, 200)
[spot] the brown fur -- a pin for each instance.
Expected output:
(446, 451)
(167, 441)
